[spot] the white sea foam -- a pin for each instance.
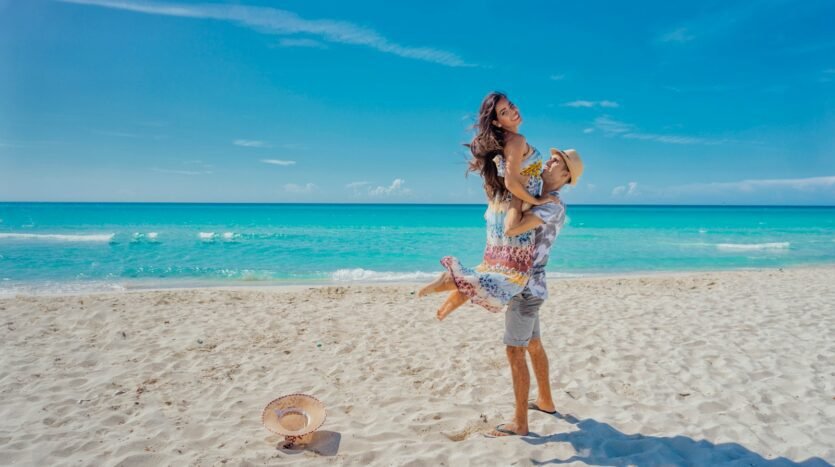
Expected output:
(247, 274)
(754, 246)
(207, 236)
(230, 236)
(561, 275)
(58, 237)
(150, 237)
(365, 275)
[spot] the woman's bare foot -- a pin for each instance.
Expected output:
(453, 301)
(442, 283)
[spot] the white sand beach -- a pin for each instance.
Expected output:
(690, 368)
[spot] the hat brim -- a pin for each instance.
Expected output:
(294, 406)
(572, 162)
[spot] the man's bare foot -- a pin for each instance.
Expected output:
(507, 429)
(438, 285)
(453, 301)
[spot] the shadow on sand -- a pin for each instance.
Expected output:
(325, 443)
(600, 444)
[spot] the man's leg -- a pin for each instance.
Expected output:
(539, 361)
(520, 319)
(521, 389)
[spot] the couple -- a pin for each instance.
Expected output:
(524, 215)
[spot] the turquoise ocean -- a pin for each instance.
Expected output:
(65, 247)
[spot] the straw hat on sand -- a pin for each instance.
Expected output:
(296, 416)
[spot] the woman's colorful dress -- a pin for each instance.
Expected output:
(506, 266)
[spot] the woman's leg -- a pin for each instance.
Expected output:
(443, 283)
(453, 301)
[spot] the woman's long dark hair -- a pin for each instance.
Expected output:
(487, 143)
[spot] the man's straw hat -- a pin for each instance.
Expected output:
(294, 415)
(572, 161)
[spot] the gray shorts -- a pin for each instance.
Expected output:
(521, 320)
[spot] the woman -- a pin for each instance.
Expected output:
(510, 167)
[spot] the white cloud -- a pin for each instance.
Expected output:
(798, 184)
(588, 130)
(557, 77)
(579, 104)
(679, 35)
(611, 127)
(283, 22)
(299, 189)
(591, 104)
(808, 190)
(278, 162)
(629, 190)
(718, 22)
(672, 139)
(396, 188)
(303, 42)
(249, 143)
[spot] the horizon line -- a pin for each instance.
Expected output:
(276, 203)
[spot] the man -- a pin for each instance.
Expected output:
(522, 316)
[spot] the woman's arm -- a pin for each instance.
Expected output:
(527, 222)
(514, 153)
(519, 220)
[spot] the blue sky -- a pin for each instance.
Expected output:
(711, 102)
